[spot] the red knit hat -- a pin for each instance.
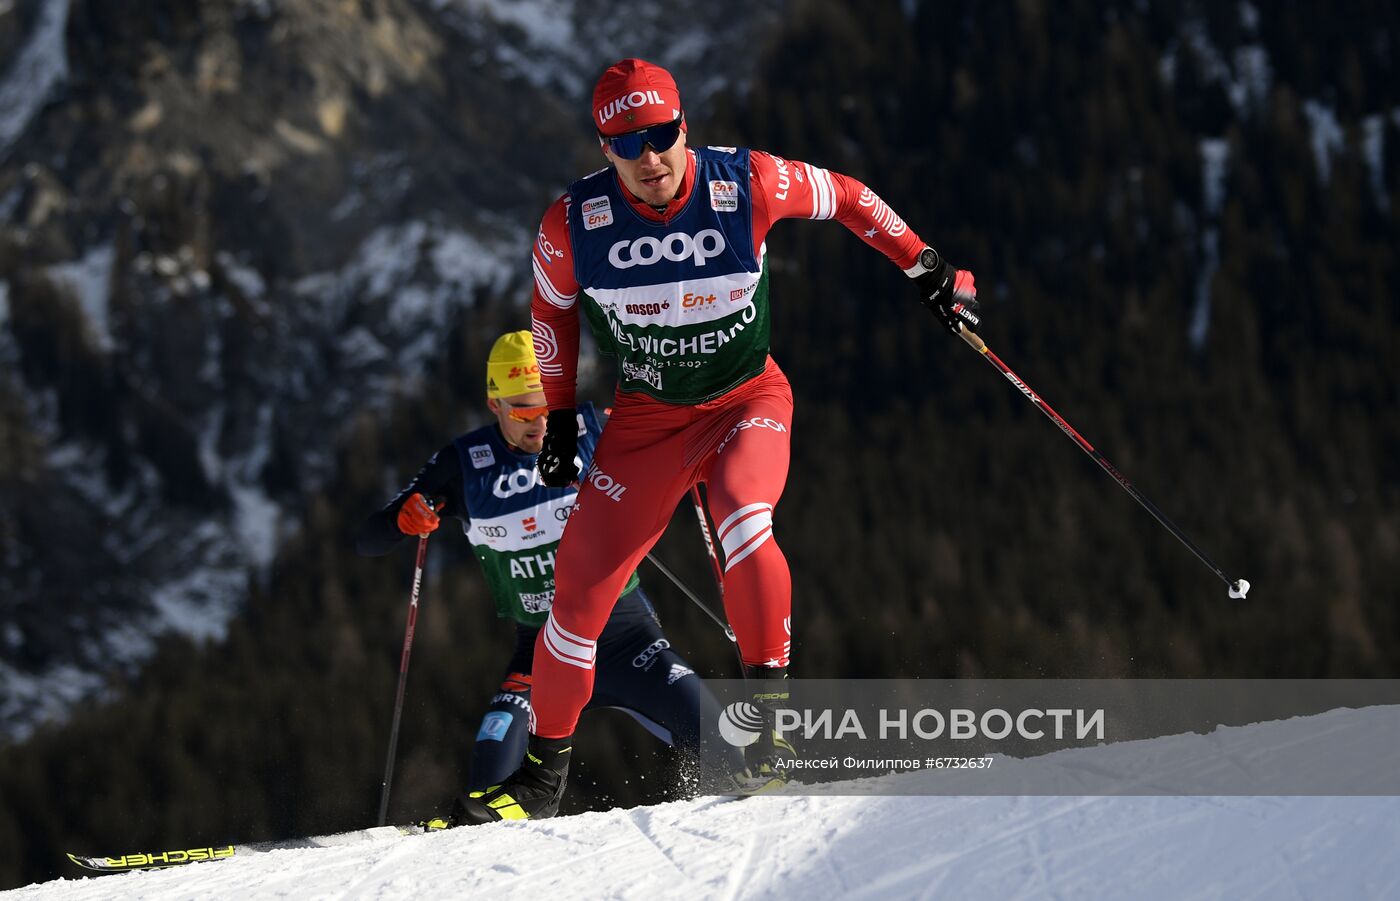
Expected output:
(633, 94)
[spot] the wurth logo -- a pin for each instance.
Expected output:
(529, 524)
(633, 100)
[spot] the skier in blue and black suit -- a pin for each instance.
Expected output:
(487, 479)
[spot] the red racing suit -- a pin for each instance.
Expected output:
(681, 298)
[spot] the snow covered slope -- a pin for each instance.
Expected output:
(1135, 846)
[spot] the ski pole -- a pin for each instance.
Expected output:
(403, 677)
(1238, 587)
(715, 567)
(728, 632)
(675, 580)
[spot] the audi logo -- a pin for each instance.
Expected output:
(643, 660)
(492, 531)
(563, 513)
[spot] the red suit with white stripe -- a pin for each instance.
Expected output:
(734, 438)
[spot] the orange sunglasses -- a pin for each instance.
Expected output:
(522, 414)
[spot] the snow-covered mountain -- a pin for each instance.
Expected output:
(207, 274)
(879, 841)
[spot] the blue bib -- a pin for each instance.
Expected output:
(682, 304)
(516, 521)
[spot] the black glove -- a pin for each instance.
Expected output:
(556, 459)
(950, 294)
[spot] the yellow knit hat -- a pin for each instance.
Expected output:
(512, 369)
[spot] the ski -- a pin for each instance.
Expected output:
(178, 857)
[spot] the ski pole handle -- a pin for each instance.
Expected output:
(971, 338)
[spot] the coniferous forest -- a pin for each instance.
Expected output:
(1170, 247)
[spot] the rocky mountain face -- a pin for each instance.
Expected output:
(228, 229)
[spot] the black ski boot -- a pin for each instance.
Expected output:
(530, 793)
(767, 756)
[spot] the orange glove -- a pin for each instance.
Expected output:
(416, 516)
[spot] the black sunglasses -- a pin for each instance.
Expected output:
(661, 138)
